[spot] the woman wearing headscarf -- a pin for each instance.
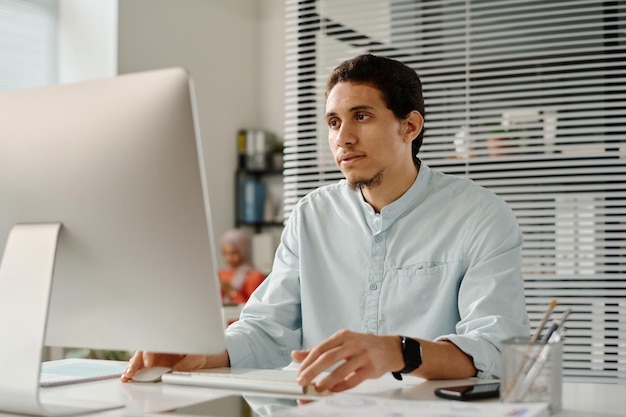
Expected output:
(239, 279)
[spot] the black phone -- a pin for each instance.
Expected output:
(469, 392)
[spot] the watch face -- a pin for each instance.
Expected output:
(412, 352)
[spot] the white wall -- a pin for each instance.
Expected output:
(233, 48)
(87, 40)
(235, 52)
(271, 105)
(272, 66)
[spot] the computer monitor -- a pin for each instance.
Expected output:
(104, 180)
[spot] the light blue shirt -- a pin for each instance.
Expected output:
(441, 262)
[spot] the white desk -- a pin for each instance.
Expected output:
(579, 400)
(231, 312)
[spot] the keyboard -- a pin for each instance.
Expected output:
(241, 379)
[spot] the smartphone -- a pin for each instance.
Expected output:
(469, 392)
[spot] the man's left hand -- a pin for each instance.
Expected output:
(362, 356)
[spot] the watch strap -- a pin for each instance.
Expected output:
(412, 355)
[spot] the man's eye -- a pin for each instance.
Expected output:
(361, 116)
(333, 123)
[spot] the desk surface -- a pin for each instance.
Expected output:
(579, 399)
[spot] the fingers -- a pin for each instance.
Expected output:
(134, 364)
(148, 359)
(142, 359)
(354, 370)
(176, 362)
(313, 355)
(299, 355)
(328, 353)
(356, 357)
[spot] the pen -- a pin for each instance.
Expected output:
(556, 326)
(517, 375)
(536, 363)
(530, 373)
(543, 321)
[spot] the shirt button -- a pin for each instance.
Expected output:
(373, 286)
(378, 239)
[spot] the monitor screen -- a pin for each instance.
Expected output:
(118, 163)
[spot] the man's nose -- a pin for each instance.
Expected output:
(345, 135)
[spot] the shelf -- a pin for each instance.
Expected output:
(260, 224)
(254, 173)
(252, 191)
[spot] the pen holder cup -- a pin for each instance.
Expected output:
(532, 373)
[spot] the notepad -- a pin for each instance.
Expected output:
(369, 406)
(73, 371)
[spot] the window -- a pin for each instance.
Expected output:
(526, 98)
(28, 43)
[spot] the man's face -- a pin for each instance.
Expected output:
(368, 141)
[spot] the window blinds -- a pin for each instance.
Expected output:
(528, 99)
(28, 43)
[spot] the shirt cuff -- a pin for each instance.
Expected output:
(239, 351)
(484, 354)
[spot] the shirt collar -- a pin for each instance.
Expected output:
(391, 212)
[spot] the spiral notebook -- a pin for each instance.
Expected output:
(73, 371)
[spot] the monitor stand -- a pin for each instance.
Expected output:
(25, 283)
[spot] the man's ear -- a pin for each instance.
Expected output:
(414, 125)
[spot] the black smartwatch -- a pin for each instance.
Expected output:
(412, 354)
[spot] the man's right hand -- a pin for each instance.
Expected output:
(176, 362)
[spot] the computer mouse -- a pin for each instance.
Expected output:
(152, 374)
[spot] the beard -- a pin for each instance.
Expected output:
(371, 182)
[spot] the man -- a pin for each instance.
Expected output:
(397, 268)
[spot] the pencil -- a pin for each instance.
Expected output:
(510, 385)
(557, 325)
(542, 322)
